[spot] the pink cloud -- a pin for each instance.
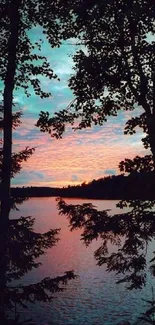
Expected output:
(87, 155)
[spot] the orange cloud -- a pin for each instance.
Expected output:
(79, 156)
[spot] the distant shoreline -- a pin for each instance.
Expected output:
(15, 193)
(140, 186)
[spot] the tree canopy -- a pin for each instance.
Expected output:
(115, 71)
(21, 67)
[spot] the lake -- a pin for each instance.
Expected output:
(93, 298)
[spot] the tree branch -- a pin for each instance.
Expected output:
(143, 79)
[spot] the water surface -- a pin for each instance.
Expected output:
(93, 298)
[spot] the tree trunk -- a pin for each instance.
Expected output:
(13, 13)
(151, 132)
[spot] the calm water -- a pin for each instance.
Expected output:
(93, 298)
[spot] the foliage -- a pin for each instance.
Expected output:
(24, 247)
(116, 71)
(21, 65)
(130, 232)
(15, 119)
(29, 64)
(139, 185)
(17, 158)
(138, 164)
(149, 316)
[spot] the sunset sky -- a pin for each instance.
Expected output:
(80, 156)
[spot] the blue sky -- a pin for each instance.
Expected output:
(80, 156)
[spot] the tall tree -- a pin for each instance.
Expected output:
(23, 247)
(116, 71)
(20, 67)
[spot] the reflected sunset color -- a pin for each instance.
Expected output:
(94, 295)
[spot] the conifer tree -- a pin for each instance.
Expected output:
(20, 68)
(23, 247)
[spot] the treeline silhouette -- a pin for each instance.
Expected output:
(135, 186)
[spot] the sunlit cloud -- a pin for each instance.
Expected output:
(81, 155)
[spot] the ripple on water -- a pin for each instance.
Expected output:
(93, 298)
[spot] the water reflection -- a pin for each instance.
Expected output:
(94, 296)
(130, 232)
(24, 248)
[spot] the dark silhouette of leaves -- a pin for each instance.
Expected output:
(24, 247)
(131, 232)
(115, 72)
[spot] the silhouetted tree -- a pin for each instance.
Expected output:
(115, 72)
(23, 247)
(129, 232)
(20, 67)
